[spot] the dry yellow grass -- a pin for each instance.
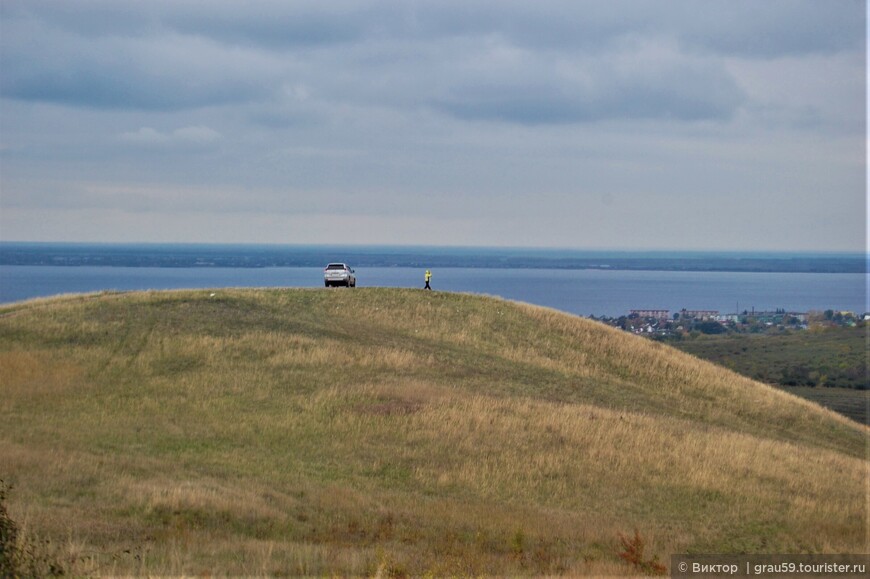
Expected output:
(249, 433)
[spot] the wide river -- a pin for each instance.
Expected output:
(582, 292)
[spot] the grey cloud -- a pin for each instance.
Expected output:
(774, 28)
(85, 18)
(173, 198)
(164, 55)
(744, 27)
(276, 25)
(196, 136)
(645, 81)
(344, 108)
(154, 72)
(263, 23)
(113, 87)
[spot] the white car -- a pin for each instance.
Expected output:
(339, 274)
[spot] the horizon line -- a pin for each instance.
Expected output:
(415, 246)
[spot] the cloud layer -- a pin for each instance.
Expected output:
(441, 111)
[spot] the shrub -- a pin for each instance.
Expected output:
(20, 557)
(632, 553)
(710, 327)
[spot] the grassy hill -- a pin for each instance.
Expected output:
(385, 431)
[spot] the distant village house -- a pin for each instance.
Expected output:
(655, 314)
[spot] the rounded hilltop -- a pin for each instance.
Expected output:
(399, 431)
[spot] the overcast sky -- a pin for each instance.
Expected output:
(582, 124)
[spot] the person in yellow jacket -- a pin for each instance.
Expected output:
(428, 276)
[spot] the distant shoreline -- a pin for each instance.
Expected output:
(262, 256)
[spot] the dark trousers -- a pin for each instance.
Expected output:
(427, 285)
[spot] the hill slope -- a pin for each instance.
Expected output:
(317, 431)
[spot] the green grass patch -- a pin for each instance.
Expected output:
(829, 357)
(825, 365)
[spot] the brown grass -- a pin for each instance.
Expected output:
(249, 433)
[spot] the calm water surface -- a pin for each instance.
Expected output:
(582, 292)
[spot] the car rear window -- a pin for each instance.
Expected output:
(335, 266)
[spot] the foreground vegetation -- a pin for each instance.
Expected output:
(827, 365)
(828, 357)
(393, 432)
(854, 404)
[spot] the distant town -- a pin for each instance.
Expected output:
(666, 324)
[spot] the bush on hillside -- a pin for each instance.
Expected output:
(19, 557)
(632, 553)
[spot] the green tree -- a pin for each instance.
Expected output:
(710, 327)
